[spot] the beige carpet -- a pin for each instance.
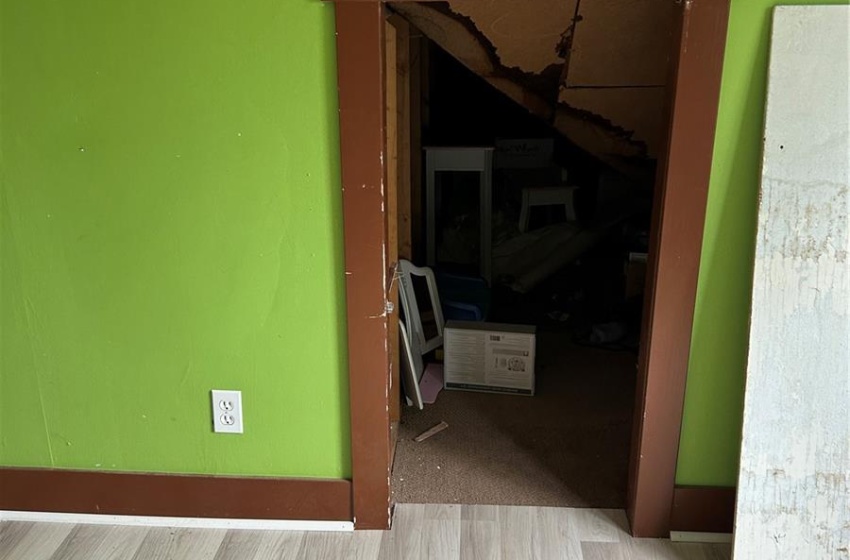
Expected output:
(566, 446)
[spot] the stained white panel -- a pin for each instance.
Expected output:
(795, 460)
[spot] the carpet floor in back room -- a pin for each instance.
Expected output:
(566, 446)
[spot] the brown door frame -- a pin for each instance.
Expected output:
(681, 196)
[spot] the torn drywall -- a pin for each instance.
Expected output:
(596, 71)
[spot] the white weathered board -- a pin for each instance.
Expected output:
(795, 459)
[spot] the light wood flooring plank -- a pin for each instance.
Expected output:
(656, 549)
(360, 545)
(121, 543)
(279, 545)
(180, 544)
(81, 542)
(11, 533)
(553, 535)
(600, 525)
(102, 542)
(515, 527)
(441, 539)
(702, 551)
(479, 513)
(604, 551)
(240, 545)
(479, 533)
(440, 531)
(441, 512)
(365, 545)
(39, 542)
(405, 539)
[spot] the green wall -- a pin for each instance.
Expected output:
(171, 224)
(711, 431)
(170, 214)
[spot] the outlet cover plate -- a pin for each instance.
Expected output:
(227, 411)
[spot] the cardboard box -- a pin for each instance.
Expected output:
(489, 357)
(524, 153)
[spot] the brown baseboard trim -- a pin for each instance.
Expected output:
(703, 509)
(167, 495)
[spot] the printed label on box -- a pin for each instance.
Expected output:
(489, 360)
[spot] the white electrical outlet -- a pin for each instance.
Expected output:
(227, 411)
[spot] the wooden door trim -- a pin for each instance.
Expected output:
(677, 231)
(703, 509)
(360, 60)
(673, 272)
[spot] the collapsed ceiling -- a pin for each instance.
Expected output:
(595, 70)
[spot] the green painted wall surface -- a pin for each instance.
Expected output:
(171, 223)
(711, 431)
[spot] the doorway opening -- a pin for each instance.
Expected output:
(559, 243)
(655, 503)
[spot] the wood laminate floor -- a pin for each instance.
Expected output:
(432, 531)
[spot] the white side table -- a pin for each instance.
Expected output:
(547, 196)
(476, 159)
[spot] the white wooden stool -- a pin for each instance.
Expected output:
(546, 196)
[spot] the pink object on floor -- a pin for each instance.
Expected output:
(431, 383)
